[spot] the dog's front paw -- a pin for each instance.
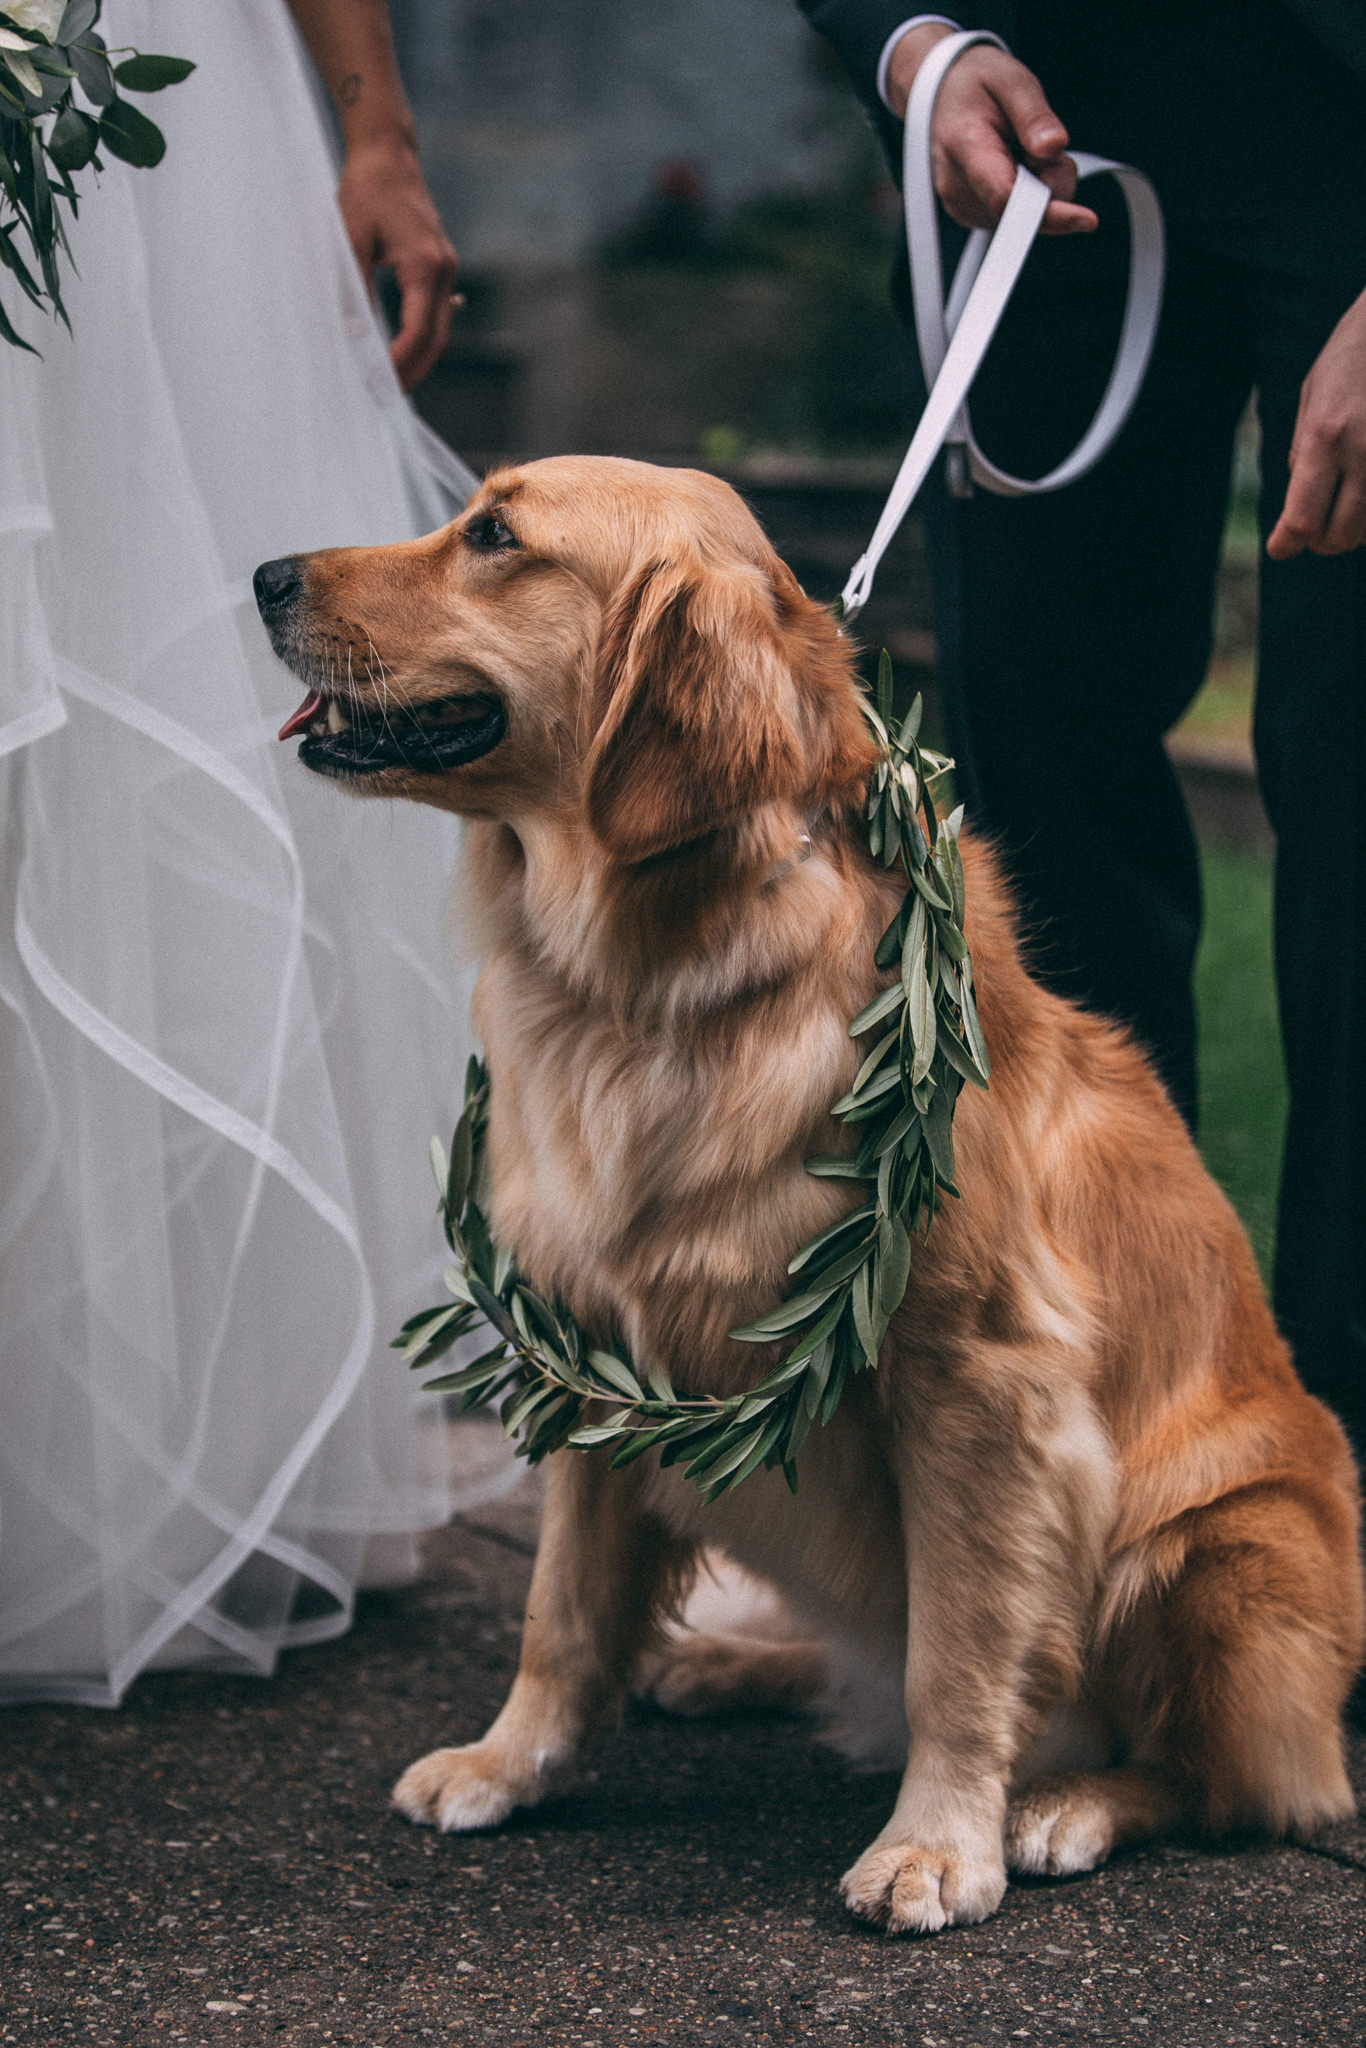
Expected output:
(910, 1890)
(459, 1789)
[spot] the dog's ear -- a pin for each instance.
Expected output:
(699, 721)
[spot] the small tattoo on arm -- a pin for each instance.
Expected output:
(349, 91)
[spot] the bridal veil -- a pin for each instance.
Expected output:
(229, 1013)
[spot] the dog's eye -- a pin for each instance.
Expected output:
(489, 534)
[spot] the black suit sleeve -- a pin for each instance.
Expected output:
(858, 29)
(1341, 24)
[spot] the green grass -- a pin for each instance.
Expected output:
(1223, 709)
(1242, 1081)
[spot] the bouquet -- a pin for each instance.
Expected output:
(50, 50)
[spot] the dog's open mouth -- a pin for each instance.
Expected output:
(342, 737)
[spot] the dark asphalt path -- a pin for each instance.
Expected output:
(217, 1863)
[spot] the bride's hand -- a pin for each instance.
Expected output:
(389, 213)
(392, 219)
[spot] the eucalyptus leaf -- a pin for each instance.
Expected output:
(41, 201)
(73, 139)
(80, 15)
(93, 70)
(148, 73)
(12, 336)
(128, 134)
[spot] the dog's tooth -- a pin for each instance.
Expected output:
(337, 720)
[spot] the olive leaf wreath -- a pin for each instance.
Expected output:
(47, 50)
(850, 1279)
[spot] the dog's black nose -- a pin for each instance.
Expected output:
(275, 583)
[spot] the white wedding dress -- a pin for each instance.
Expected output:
(229, 1011)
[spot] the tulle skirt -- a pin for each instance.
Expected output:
(230, 1013)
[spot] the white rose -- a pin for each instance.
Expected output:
(43, 16)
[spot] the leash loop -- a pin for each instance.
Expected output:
(954, 332)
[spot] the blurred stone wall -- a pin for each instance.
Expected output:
(543, 121)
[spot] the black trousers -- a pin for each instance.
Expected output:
(1075, 628)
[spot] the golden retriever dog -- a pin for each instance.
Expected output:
(1083, 1526)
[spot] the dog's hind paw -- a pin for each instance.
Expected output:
(1061, 1825)
(1055, 1831)
(910, 1890)
(460, 1789)
(716, 1674)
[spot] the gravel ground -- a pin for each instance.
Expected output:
(217, 1863)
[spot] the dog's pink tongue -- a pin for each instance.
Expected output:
(303, 717)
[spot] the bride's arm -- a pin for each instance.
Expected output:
(389, 213)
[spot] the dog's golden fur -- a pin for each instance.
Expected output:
(1123, 1533)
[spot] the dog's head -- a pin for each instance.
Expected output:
(616, 642)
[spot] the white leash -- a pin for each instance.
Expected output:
(954, 336)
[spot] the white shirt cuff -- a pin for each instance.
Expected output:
(911, 21)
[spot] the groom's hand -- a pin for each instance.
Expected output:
(392, 220)
(1325, 505)
(991, 114)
